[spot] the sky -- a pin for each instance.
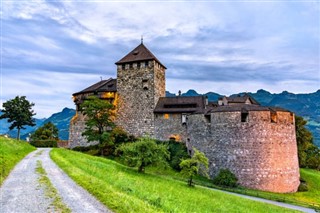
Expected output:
(52, 49)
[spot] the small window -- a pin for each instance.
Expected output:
(244, 116)
(131, 66)
(183, 118)
(145, 84)
(273, 117)
(166, 116)
(172, 139)
(138, 65)
(146, 64)
(208, 118)
(123, 66)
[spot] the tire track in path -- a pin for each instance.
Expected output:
(21, 191)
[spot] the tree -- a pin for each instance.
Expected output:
(99, 120)
(46, 132)
(145, 152)
(19, 113)
(308, 153)
(191, 167)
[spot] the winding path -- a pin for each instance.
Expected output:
(21, 191)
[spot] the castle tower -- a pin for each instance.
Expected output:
(140, 84)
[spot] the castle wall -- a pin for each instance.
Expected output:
(262, 154)
(139, 89)
(77, 126)
(169, 126)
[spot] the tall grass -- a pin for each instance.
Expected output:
(123, 189)
(11, 152)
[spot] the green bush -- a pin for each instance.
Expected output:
(225, 178)
(178, 152)
(44, 143)
(303, 187)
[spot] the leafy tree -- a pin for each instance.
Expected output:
(46, 132)
(191, 167)
(308, 153)
(225, 178)
(145, 152)
(19, 113)
(99, 121)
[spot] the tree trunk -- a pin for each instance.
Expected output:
(18, 136)
(190, 181)
(141, 168)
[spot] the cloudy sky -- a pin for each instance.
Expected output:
(51, 49)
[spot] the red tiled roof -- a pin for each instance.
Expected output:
(140, 53)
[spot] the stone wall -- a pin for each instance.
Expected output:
(77, 126)
(139, 89)
(170, 126)
(261, 153)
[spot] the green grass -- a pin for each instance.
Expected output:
(310, 198)
(50, 191)
(11, 152)
(123, 189)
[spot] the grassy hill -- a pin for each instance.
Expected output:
(11, 152)
(123, 189)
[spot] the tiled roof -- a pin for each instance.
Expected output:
(109, 85)
(241, 99)
(140, 53)
(180, 104)
(244, 108)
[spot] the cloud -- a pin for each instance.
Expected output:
(53, 49)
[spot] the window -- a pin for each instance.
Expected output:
(244, 116)
(138, 65)
(145, 84)
(208, 118)
(146, 63)
(166, 116)
(123, 66)
(273, 116)
(183, 118)
(131, 66)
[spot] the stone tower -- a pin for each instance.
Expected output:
(140, 84)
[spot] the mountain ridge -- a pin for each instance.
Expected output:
(306, 105)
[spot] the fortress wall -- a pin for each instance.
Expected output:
(262, 154)
(77, 126)
(169, 126)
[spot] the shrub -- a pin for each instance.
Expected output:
(178, 152)
(145, 152)
(303, 187)
(44, 143)
(225, 178)
(191, 167)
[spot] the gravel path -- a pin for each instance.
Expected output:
(21, 191)
(285, 205)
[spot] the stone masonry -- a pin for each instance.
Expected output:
(257, 143)
(262, 154)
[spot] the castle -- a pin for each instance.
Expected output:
(257, 143)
